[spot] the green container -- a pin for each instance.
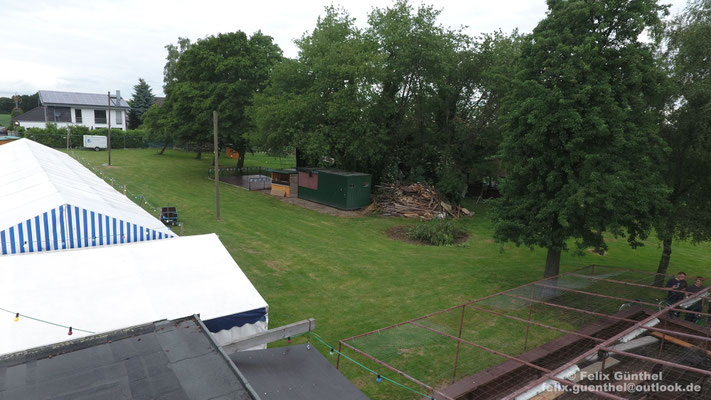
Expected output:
(335, 188)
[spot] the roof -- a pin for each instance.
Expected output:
(55, 98)
(34, 115)
(296, 372)
(37, 179)
(159, 100)
(333, 171)
(160, 360)
(101, 289)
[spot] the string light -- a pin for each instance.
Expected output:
(71, 329)
(379, 377)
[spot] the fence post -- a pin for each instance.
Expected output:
(124, 190)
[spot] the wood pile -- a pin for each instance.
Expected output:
(417, 200)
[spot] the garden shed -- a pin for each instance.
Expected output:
(336, 188)
(285, 182)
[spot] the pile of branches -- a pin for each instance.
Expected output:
(417, 200)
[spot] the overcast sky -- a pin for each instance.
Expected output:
(95, 46)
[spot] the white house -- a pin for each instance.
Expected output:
(69, 108)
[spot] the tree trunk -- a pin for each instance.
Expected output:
(240, 160)
(300, 159)
(663, 262)
(164, 147)
(199, 154)
(552, 263)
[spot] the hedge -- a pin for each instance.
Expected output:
(57, 137)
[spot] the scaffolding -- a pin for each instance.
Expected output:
(596, 332)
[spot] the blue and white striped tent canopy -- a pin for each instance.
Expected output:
(49, 201)
(106, 288)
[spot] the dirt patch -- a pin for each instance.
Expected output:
(323, 209)
(399, 232)
(276, 266)
(592, 251)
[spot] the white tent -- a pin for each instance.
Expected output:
(107, 288)
(49, 201)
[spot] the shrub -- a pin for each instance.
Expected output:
(437, 232)
(57, 137)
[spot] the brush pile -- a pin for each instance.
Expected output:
(417, 200)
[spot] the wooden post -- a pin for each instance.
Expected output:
(124, 190)
(181, 229)
(108, 139)
(217, 166)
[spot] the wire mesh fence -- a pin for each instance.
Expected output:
(549, 338)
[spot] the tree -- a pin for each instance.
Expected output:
(142, 100)
(157, 122)
(687, 164)
(404, 98)
(582, 130)
(220, 73)
(174, 52)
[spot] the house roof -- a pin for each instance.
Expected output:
(100, 289)
(37, 179)
(34, 115)
(55, 98)
(159, 360)
(159, 100)
(296, 372)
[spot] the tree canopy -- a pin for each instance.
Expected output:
(142, 100)
(687, 131)
(404, 98)
(582, 129)
(218, 73)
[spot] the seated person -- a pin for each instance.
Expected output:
(698, 286)
(678, 283)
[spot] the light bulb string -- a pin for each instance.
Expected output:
(331, 348)
(144, 202)
(44, 321)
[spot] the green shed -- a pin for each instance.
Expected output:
(335, 188)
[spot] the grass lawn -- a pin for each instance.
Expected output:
(345, 272)
(5, 120)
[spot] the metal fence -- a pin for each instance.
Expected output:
(543, 337)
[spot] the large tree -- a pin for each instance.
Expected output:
(142, 100)
(219, 73)
(582, 130)
(687, 164)
(403, 98)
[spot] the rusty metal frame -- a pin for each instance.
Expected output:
(604, 345)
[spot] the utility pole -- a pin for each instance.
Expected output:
(217, 165)
(109, 136)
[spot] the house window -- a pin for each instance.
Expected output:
(59, 114)
(77, 115)
(100, 116)
(119, 117)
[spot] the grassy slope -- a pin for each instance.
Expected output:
(345, 272)
(5, 120)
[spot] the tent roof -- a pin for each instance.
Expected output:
(36, 178)
(106, 288)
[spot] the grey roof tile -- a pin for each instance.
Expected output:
(171, 361)
(52, 97)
